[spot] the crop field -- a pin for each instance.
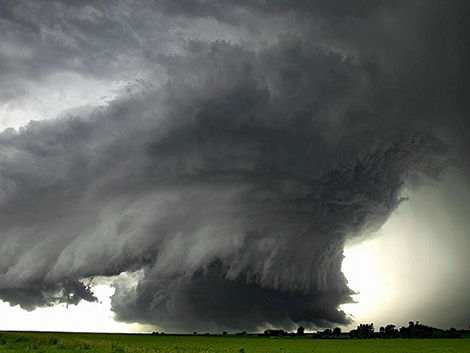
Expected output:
(73, 342)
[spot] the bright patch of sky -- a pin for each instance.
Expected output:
(54, 96)
(404, 273)
(84, 317)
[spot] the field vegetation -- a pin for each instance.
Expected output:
(121, 343)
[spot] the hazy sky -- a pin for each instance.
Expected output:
(208, 165)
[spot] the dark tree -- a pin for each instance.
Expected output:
(389, 331)
(300, 331)
(336, 331)
(417, 330)
(365, 331)
(404, 332)
(274, 332)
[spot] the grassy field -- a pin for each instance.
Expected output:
(71, 342)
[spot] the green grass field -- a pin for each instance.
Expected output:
(71, 342)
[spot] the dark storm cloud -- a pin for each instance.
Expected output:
(41, 294)
(89, 38)
(230, 191)
(229, 10)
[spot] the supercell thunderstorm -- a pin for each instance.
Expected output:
(232, 187)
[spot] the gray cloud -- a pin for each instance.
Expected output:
(232, 188)
(232, 11)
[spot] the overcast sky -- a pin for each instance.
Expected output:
(214, 159)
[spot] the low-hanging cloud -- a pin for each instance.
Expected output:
(230, 190)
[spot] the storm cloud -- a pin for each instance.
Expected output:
(224, 195)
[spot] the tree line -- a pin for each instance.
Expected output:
(414, 330)
(367, 331)
(363, 331)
